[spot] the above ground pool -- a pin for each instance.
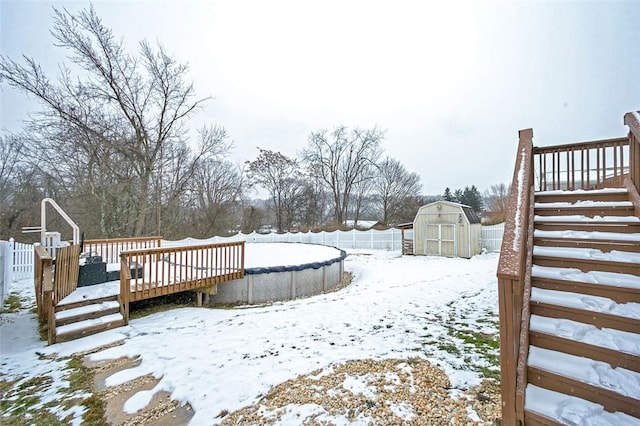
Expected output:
(282, 271)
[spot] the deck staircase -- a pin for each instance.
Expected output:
(569, 284)
(586, 268)
(84, 318)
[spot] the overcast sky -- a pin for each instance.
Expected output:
(450, 82)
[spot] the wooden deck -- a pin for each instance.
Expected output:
(147, 270)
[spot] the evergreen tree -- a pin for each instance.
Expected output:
(447, 194)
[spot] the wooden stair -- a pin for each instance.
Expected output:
(584, 329)
(87, 317)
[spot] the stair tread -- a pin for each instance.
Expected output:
(82, 294)
(80, 325)
(581, 204)
(595, 373)
(567, 409)
(587, 303)
(87, 309)
(587, 235)
(588, 254)
(573, 218)
(613, 279)
(616, 340)
(583, 191)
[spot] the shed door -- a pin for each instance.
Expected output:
(441, 239)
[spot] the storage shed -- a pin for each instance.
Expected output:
(446, 229)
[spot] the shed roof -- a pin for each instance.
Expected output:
(471, 216)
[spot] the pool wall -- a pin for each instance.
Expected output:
(261, 285)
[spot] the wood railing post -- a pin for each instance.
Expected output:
(632, 183)
(51, 317)
(125, 286)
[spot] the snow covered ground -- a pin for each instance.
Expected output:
(224, 359)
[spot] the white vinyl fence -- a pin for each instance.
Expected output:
(390, 239)
(492, 237)
(16, 263)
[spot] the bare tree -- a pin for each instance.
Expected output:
(279, 175)
(11, 150)
(18, 187)
(131, 107)
(395, 186)
(341, 160)
(219, 187)
(496, 201)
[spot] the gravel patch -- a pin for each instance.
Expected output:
(372, 392)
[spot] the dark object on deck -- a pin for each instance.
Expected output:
(94, 271)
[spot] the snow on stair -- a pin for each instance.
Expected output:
(596, 373)
(593, 277)
(587, 254)
(587, 235)
(583, 191)
(585, 203)
(81, 325)
(617, 340)
(97, 291)
(571, 410)
(585, 302)
(89, 309)
(583, 218)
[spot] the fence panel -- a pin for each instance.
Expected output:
(492, 237)
(6, 270)
(22, 261)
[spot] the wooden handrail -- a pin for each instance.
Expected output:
(512, 268)
(525, 314)
(109, 249)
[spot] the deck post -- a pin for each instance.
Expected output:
(125, 287)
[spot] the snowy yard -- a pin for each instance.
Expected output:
(220, 360)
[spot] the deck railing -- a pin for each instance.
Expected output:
(154, 272)
(586, 165)
(66, 272)
(110, 249)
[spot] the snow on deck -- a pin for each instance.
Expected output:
(609, 338)
(592, 277)
(571, 410)
(585, 302)
(597, 373)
